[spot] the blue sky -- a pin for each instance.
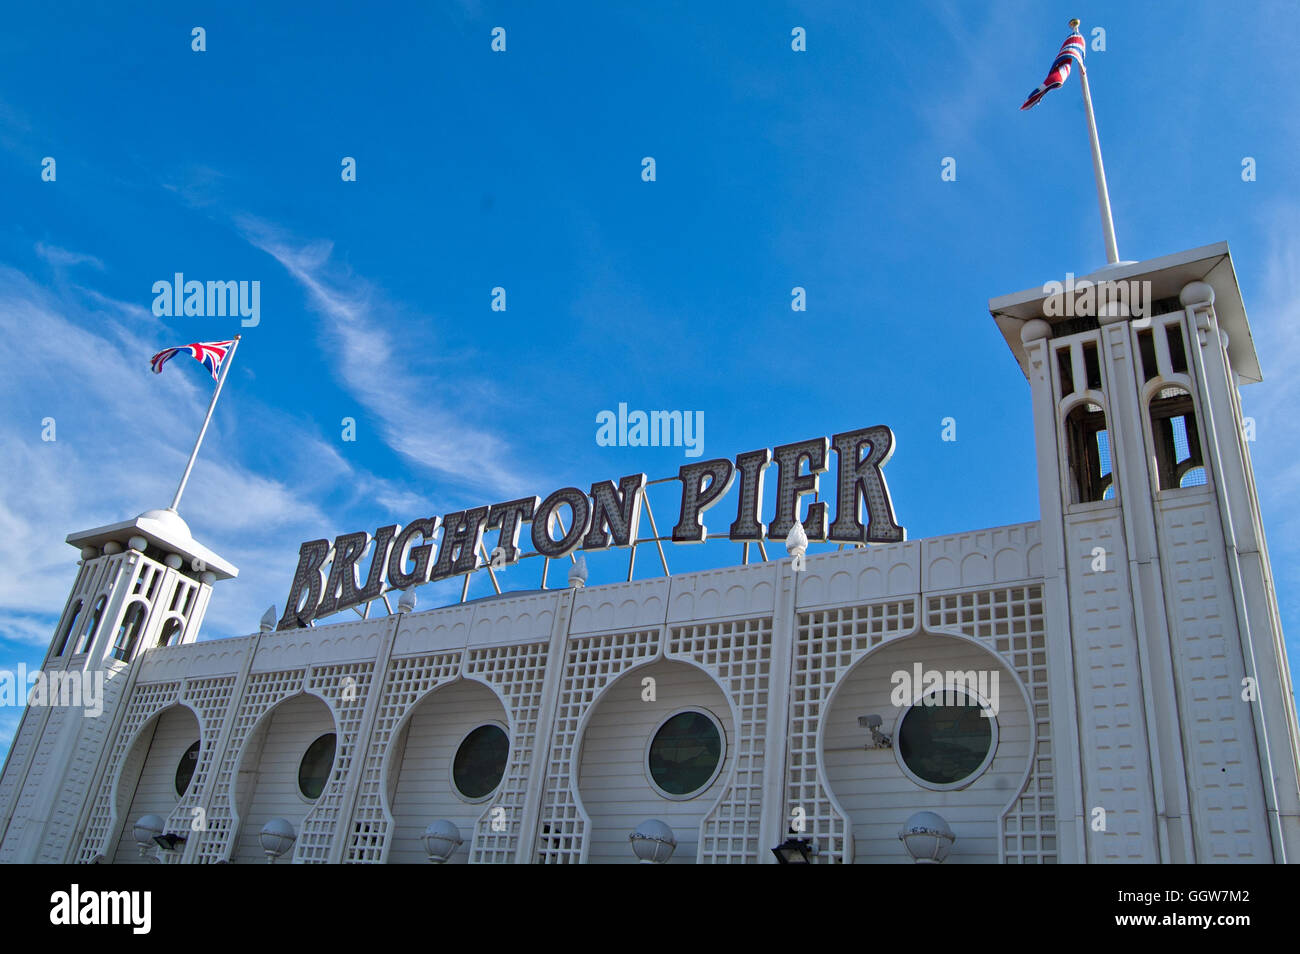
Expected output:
(522, 169)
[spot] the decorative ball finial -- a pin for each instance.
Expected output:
(1074, 24)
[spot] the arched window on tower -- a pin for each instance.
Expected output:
(1088, 446)
(1176, 440)
(171, 630)
(68, 627)
(129, 632)
(92, 624)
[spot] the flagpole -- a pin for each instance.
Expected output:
(221, 379)
(1103, 194)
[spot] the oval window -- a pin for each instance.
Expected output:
(480, 762)
(314, 771)
(185, 770)
(945, 739)
(685, 754)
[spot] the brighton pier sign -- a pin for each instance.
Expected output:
(328, 578)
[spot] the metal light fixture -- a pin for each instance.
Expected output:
(795, 851)
(441, 839)
(927, 838)
(578, 573)
(278, 837)
(147, 830)
(406, 602)
(796, 544)
(169, 841)
(653, 842)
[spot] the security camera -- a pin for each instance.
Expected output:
(878, 739)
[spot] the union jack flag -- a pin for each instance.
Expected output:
(1071, 49)
(211, 354)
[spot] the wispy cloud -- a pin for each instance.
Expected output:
(62, 257)
(116, 454)
(1274, 402)
(415, 420)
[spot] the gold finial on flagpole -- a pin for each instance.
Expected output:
(1074, 24)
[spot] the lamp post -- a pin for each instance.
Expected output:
(277, 837)
(927, 838)
(147, 830)
(653, 842)
(441, 839)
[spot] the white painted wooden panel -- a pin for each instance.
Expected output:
(420, 786)
(871, 786)
(268, 780)
(155, 787)
(612, 780)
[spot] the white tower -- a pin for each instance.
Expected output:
(1157, 579)
(141, 583)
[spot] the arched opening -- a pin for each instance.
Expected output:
(92, 624)
(164, 752)
(129, 632)
(1176, 440)
(68, 628)
(448, 761)
(171, 630)
(657, 749)
(939, 757)
(285, 766)
(1088, 448)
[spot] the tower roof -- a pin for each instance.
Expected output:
(162, 528)
(1211, 264)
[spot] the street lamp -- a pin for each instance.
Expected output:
(147, 830)
(441, 839)
(653, 842)
(927, 838)
(277, 837)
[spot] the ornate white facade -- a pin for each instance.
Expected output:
(1145, 711)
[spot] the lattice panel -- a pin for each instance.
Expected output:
(738, 654)
(209, 698)
(146, 702)
(345, 688)
(1010, 622)
(590, 664)
(517, 672)
(828, 643)
(409, 680)
(264, 690)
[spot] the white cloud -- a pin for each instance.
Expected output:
(375, 370)
(122, 438)
(62, 257)
(27, 629)
(1275, 321)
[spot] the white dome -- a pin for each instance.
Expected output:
(169, 519)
